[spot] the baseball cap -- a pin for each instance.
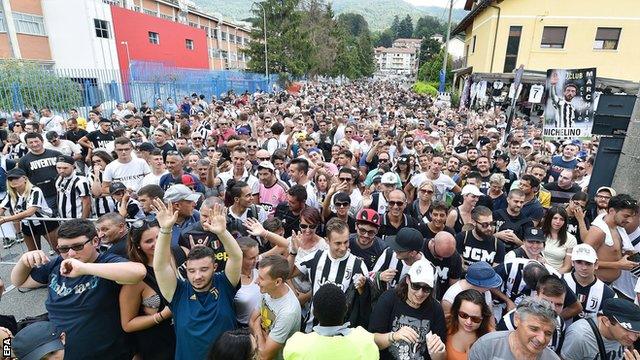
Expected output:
(187, 180)
(37, 340)
(146, 146)
(115, 187)
(15, 173)
(314, 150)
(369, 216)
(403, 159)
(435, 134)
(178, 192)
(606, 188)
(407, 239)
(471, 189)
(584, 252)
(502, 156)
(65, 159)
(243, 131)
(534, 234)
(266, 165)
(51, 135)
(626, 313)
(389, 178)
(481, 274)
(422, 272)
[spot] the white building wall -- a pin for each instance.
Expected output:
(456, 48)
(72, 35)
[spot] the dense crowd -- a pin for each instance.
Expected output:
(359, 221)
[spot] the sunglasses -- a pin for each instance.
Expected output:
(464, 316)
(367, 232)
(174, 152)
(307, 226)
(78, 247)
(383, 160)
(342, 204)
(344, 179)
(139, 224)
(580, 167)
(423, 191)
(417, 287)
(486, 224)
(252, 146)
(396, 203)
(197, 138)
(264, 159)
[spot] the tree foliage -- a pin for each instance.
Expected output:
(305, 38)
(405, 28)
(429, 48)
(430, 71)
(428, 26)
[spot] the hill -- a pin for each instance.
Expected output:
(378, 13)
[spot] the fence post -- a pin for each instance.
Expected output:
(15, 97)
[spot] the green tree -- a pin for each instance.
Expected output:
(355, 55)
(35, 87)
(430, 70)
(395, 27)
(383, 38)
(427, 26)
(323, 35)
(428, 49)
(288, 47)
(405, 29)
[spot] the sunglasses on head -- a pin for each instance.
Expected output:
(308, 226)
(464, 316)
(425, 288)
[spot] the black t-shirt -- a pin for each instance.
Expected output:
(573, 227)
(509, 176)
(429, 234)
(391, 313)
(447, 268)
(369, 255)
(100, 139)
(76, 135)
(504, 221)
(165, 148)
(560, 196)
(202, 237)
(387, 229)
(473, 250)
(290, 221)
(41, 170)
(350, 221)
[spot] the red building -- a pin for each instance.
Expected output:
(149, 38)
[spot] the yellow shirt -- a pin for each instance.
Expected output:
(358, 345)
(544, 197)
(82, 123)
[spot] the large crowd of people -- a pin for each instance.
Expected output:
(359, 221)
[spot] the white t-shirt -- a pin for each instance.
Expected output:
(52, 123)
(151, 179)
(251, 180)
(442, 184)
(555, 254)
(130, 174)
(65, 147)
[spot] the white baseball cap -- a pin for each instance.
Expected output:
(584, 252)
(389, 178)
(471, 189)
(422, 272)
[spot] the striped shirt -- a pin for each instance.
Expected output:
(389, 260)
(103, 204)
(590, 296)
(34, 199)
(513, 284)
(321, 268)
(71, 190)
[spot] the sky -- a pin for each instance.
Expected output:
(443, 3)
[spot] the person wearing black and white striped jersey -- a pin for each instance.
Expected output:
(335, 265)
(553, 290)
(591, 291)
(405, 248)
(74, 193)
(531, 248)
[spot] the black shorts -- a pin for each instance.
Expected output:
(42, 229)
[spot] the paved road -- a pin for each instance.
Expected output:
(13, 301)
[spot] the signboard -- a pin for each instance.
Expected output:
(568, 112)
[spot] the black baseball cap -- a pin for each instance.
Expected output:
(65, 159)
(146, 146)
(626, 313)
(15, 173)
(115, 187)
(534, 234)
(37, 340)
(407, 239)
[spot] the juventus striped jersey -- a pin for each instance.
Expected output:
(590, 296)
(23, 202)
(321, 268)
(104, 204)
(71, 190)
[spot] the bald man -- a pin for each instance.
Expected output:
(441, 251)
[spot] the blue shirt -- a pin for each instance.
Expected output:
(201, 317)
(167, 180)
(177, 228)
(533, 209)
(558, 164)
(86, 308)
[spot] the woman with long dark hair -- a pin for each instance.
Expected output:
(248, 296)
(143, 311)
(407, 321)
(404, 170)
(238, 344)
(470, 319)
(102, 204)
(578, 223)
(559, 243)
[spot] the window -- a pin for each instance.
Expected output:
(214, 33)
(167, 17)
(150, 12)
(232, 38)
(29, 24)
(553, 37)
(225, 54)
(473, 47)
(238, 40)
(189, 44)
(102, 28)
(154, 37)
(223, 36)
(607, 38)
(513, 43)
(2, 27)
(193, 24)
(136, 8)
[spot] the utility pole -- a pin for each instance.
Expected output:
(626, 179)
(446, 50)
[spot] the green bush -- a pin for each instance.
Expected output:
(37, 87)
(422, 87)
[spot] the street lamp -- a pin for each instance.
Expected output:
(126, 45)
(266, 61)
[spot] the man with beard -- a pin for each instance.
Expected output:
(452, 167)
(74, 193)
(483, 164)
(364, 243)
(531, 207)
(395, 218)
(608, 237)
(479, 244)
(565, 113)
(393, 264)
(510, 222)
(600, 204)
(202, 306)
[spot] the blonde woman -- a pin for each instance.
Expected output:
(420, 207)
(25, 200)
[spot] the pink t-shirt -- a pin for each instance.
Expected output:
(270, 197)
